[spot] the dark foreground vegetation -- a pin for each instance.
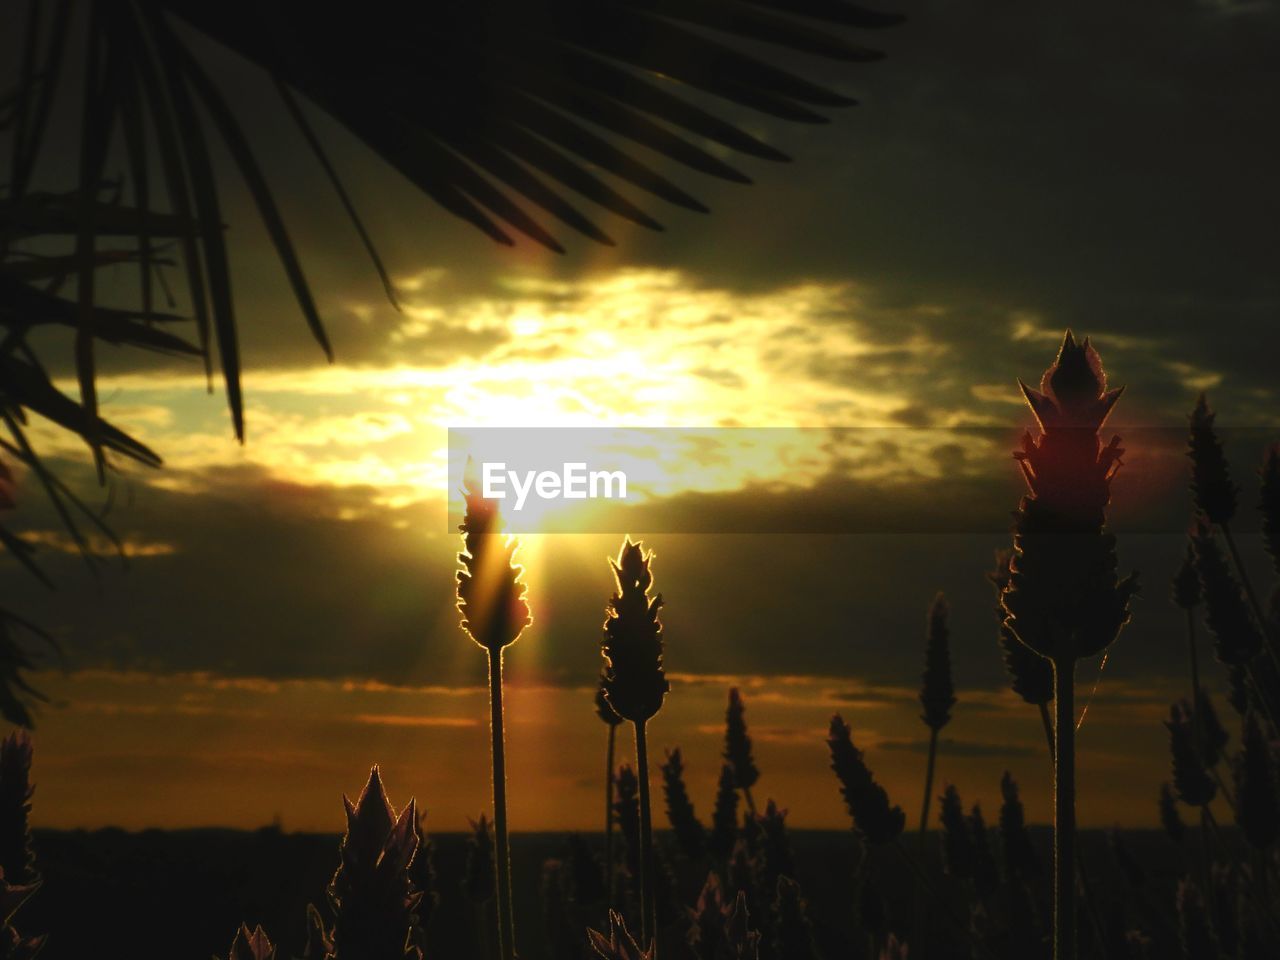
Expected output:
(156, 889)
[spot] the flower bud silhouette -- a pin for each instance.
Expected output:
(319, 945)
(1214, 493)
(737, 747)
(1020, 862)
(937, 693)
(875, 821)
(634, 681)
(957, 843)
(619, 945)
(985, 875)
(374, 903)
(1064, 599)
(724, 819)
(491, 597)
(690, 833)
(251, 945)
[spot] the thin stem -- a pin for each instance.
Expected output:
(608, 813)
(751, 804)
(1064, 811)
(506, 925)
(648, 908)
(928, 780)
(1047, 720)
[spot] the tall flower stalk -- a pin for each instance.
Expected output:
(491, 600)
(937, 694)
(737, 748)
(610, 717)
(1064, 599)
(1215, 496)
(635, 686)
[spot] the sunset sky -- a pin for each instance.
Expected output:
(285, 616)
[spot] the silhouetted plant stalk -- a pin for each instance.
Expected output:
(610, 717)
(491, 599)
(724, 819)
(373, 900)
(1064, 599)
(737, 748)
(1216, 498)
(1237, 636)
(689, 832)
(875, 821)
(937, 694)
(635, 685)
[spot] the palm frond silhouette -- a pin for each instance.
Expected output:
(488, 108)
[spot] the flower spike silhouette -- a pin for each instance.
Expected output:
(619, 945)
(635, 685)
(937, 692)
(634, 681)
(1064, 599)
(737, 747)
(491, 600)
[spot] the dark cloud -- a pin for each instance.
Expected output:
(265, 579)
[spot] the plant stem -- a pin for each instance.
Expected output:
(608, 813)
(751, 804)
(648, 909)
(1081, 874)
(928, 781)
(506, 925)
(1048, 728)
(1064, 811)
